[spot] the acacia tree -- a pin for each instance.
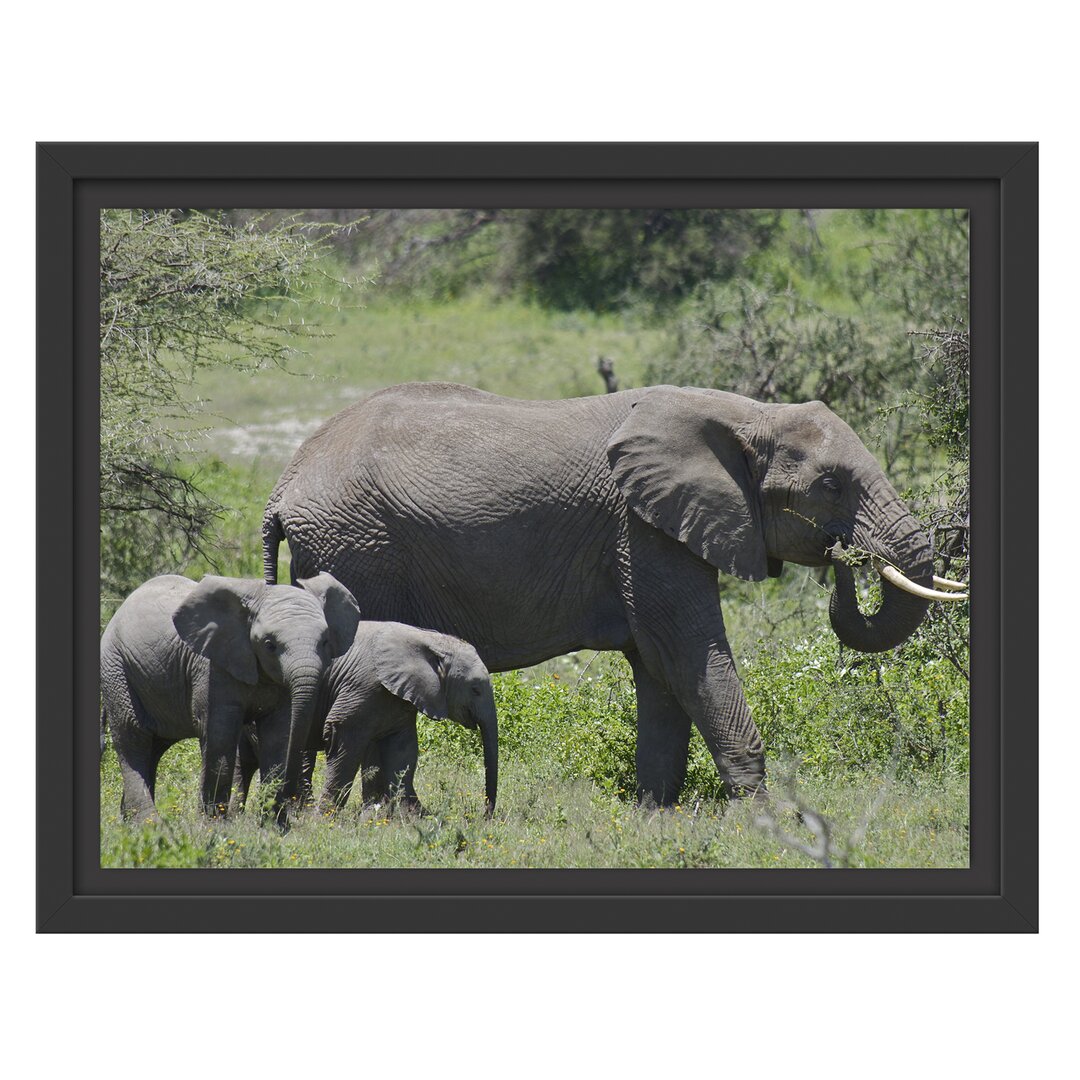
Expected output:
(182, 290)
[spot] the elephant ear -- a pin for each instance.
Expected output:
(680, 460)
(214, 619)
(413, 670)
(340, 609)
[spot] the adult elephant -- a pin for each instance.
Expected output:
(533, 528)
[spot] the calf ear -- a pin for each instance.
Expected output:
(339, 609)
(680, 460)
(413, 670)
(214, 619)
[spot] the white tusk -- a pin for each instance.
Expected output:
(894, 577)
(945, 583)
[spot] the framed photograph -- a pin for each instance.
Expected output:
(536, 537)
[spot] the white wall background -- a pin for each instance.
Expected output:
(524, 1006)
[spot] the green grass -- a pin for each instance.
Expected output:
(546, 820)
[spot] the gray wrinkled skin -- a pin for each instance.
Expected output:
(182, 660)
(533, 528)
(366, 718)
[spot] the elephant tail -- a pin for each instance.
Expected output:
(272, 535)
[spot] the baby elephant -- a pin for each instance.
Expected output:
(182, 660)
(367, 711)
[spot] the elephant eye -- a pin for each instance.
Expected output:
(831, 484)
(477, 691)
(270, 644)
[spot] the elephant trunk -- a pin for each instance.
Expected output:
(303, 682)
(487, 721)
(904, 548)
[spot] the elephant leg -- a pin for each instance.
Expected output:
(247, 761)
(399, 753)
(134, 746)
(678, 629)
(221, 734)
(345, 751)
(271, 745)
(707, 685)
(663, 738)
(307, 777)
(373, 778)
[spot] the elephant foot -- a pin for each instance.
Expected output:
(744, 783)
(138, 816)
(741, 766)
(285, 813)
(656, 800)
(407, 806)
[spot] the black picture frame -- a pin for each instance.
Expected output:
(997, 181)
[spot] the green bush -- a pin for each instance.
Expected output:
(833, 710)
(580, 259)
(604, 260)
(829, 709)
(583, 729)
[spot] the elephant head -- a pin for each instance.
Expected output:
(443, 678)
(276, 633)
(749, 486)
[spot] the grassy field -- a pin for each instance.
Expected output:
(545, 819)
(877, 746)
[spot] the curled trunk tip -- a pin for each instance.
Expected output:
(891, 625)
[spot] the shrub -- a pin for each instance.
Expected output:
(181, 291)
(830, 709)
(605, 259)
(834, 710)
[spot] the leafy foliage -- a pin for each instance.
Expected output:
(944, 503)
(833, 710)
(607, 259)
(776, 346)
(564, 259)
(181, 291)
(836, 331)
(828, 708)
(945, 412)
(919, 264)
